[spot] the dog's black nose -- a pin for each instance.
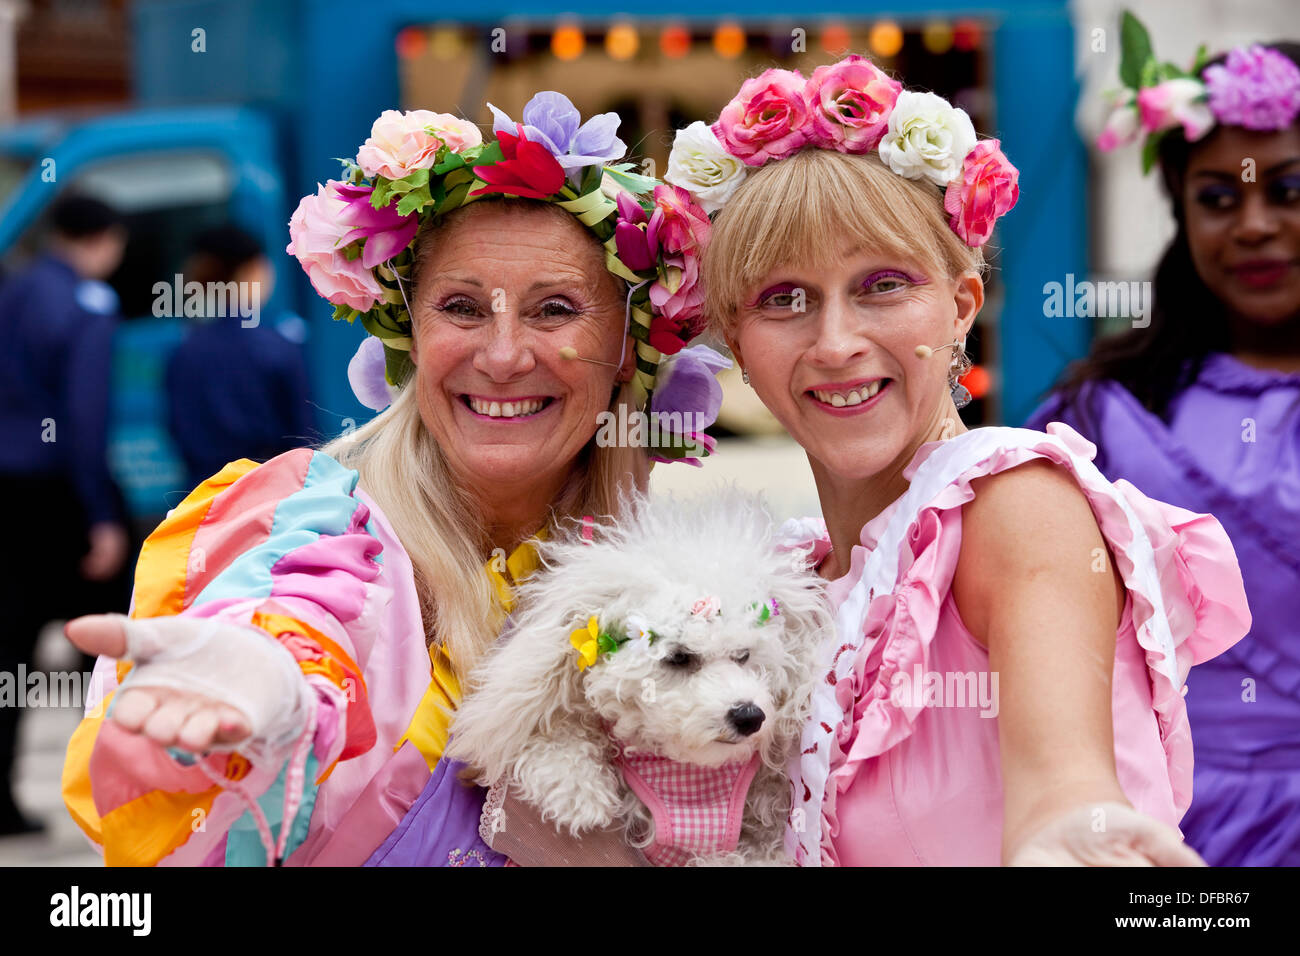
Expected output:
(746, 718)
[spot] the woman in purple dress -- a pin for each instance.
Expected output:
(1202, 409)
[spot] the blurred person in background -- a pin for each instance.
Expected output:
(236, 387)
(1202, 409)
(68, 521)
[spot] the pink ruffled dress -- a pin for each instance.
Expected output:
(900, 761)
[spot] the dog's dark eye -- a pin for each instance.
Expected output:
(680, 658)
(741, 658)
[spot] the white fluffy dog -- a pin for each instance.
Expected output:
(701, 659)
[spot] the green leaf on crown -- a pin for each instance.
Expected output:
(632, 182)
(344, 311)
(455, 197)
(453, 161)
(590, 179)
(409, 183)
(1202, 58)
(489, 154)
(382, 323)
(1151, 151)
(397, 365)
(1135, 50)
(415, 199)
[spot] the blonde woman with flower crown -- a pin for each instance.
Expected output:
(282, 688)
(1014, 630)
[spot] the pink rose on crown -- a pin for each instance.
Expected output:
(401, 143)
(318, 233)
(848, 105)
(685, 226)
(986, 189)
(766, 119)
(678, 296)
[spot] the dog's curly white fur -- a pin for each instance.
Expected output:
(533, 717)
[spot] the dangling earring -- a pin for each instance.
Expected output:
(744, 376)
(961, 364)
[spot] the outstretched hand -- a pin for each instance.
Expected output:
(1105, 834)
(166, 715)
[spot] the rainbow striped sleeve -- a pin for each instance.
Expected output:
(289, 547)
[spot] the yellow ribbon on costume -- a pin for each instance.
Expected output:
(431, 721)
(585, 640)
(505, 573)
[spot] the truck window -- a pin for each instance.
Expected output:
(166, 199)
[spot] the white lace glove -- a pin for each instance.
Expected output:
(242, 667)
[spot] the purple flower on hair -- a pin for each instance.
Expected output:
(686, 385)
(386, 233)
(366, 375)
(1257, 88)
(551, 119)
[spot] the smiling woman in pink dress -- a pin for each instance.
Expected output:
(1014, 630)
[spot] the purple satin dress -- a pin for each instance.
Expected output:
(1231, 449)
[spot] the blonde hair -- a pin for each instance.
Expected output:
(819, 201)
(402, 468)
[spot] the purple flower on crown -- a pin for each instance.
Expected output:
(1256, 88)
(551, 119)
(366, 375)
(686, 386)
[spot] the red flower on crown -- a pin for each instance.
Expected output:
(526, 169)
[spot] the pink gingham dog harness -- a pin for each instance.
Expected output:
(697, 810)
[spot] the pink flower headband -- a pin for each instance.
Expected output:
(853, 107)
(1256, 88)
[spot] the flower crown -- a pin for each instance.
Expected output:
(1256, 88)
(853, 107)
(592, 642)
(354, 238)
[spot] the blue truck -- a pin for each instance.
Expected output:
(240, 106)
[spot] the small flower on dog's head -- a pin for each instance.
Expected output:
(639, 634)
(586, 640)
(766, 610)
(706, 607)
(591, 642)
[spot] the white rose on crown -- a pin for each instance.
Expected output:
(700, 165)
(928, 138)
